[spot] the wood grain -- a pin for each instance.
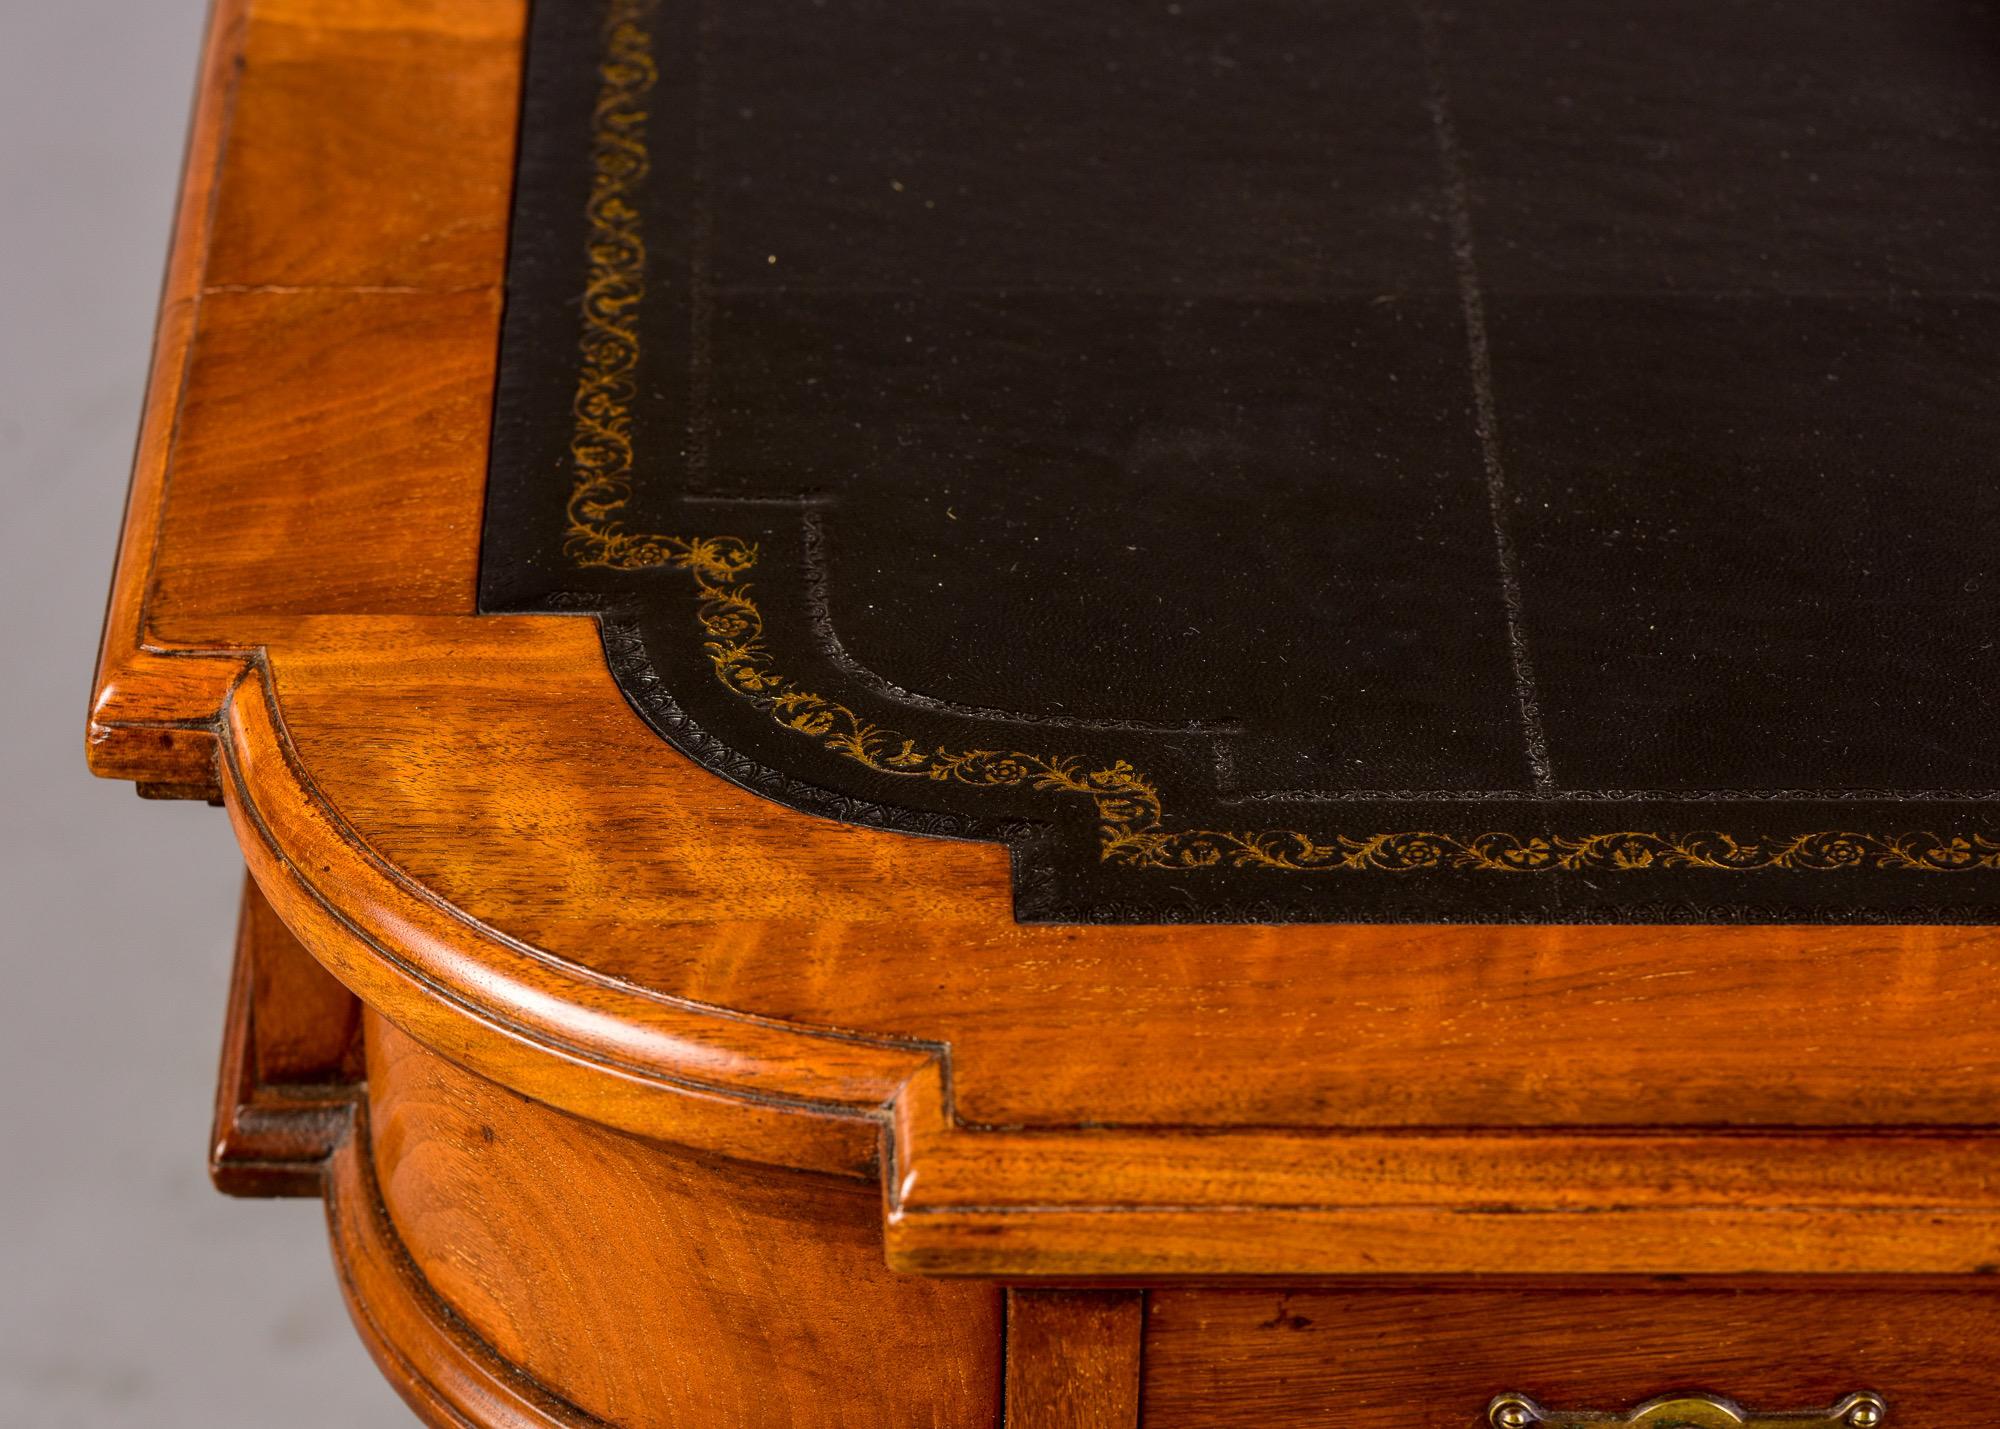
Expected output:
(291, 1056)
(446, 1374)
(337, 153)
(462, 819)
(742, 1296)
(372, 147)
(688, 886)
(333, 535)
(1073, 1358)
(1433, 1358)
(307, 1027)
(152, 715)
(667, 1083)
(992, 1200)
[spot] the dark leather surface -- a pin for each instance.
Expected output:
(1532, 460)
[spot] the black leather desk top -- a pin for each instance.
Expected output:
(1526, 460)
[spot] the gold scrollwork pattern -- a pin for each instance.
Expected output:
(1133, 829)
(600, 445)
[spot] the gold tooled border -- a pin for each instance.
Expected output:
(1132, 826)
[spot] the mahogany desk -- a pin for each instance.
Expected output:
(1091, 714)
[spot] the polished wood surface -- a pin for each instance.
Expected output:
(234, 543)
(1073, 1358)
(739, 1061)
(431, 798)
(743, 1295)
(291, 1059)
(1434, 1357)
(445, 1372)
(1338, 1199)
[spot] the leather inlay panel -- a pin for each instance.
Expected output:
(1278, 463)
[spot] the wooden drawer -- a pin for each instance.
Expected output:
(1434, 1358)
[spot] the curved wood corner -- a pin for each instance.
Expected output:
(967, 1198)
(445, 1372)
(654, 1286)
(707, 1077)
(461, 818)
(305, 281)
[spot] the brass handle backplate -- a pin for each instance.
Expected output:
(1861, 1410)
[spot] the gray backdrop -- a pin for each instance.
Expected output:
(131, 1294)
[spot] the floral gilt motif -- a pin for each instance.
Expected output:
(1133, 830)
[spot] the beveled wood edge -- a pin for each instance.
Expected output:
(267, 1142)
(1102, 1204)
(1083, 1202)
(655, 1066)
(1139, 1244)
(1075, 1202)
(958, 1199)
(450, 1377)
(153, 708)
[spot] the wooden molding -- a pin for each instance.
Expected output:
(1089, 1202)
(446, 1373)
(290, 1063)
(152, 714)
(463, 821)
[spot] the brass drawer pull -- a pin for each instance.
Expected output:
(1689, 1411)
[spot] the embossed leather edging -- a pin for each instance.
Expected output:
(1135, 834)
